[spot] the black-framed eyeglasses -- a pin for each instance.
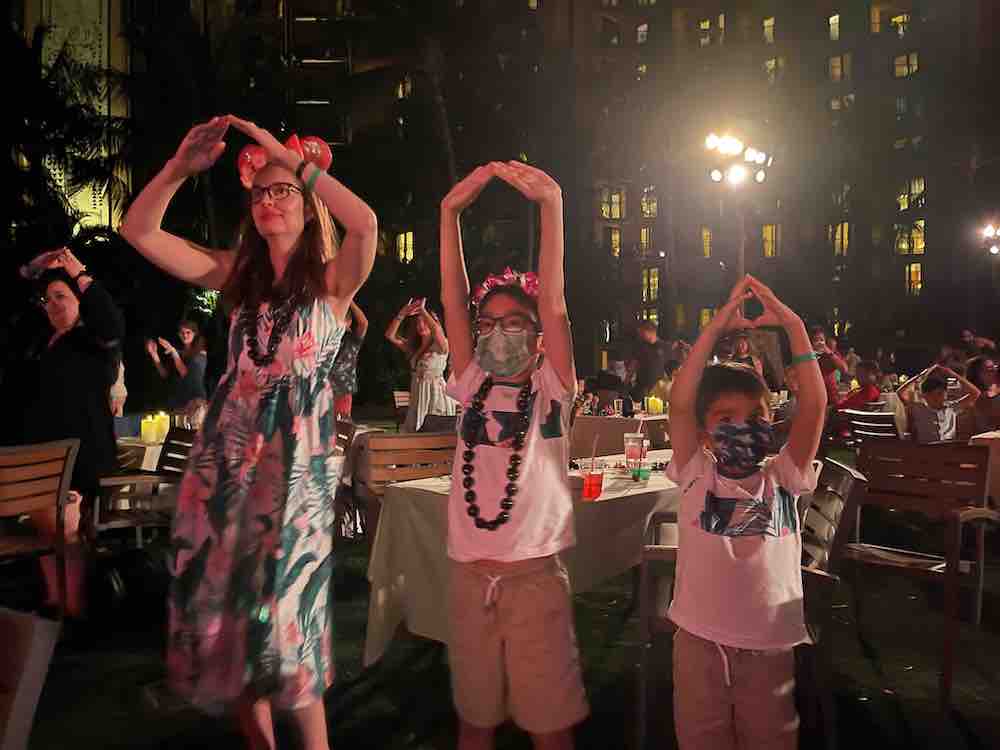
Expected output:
(513, 323)
(278, 191)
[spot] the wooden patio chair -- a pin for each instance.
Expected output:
(35, 479)
(388, 458)
(401, 401)
(129, 499)
(980, 517)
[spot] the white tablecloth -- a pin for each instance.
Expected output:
(408, 569)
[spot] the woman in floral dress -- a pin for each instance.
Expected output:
(249, 617)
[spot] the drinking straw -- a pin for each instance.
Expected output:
(593, 454)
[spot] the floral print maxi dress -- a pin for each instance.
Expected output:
(251, 559)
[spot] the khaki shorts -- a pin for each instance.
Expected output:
(727, 698)
(512, 646)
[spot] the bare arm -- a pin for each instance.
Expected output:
(155, 356)
(972, 393)
(360, 320)
(685, 433)
(454, 278)
(142, 229)
(905, 392)
(392, 332)
(539, 187)
(437, 331)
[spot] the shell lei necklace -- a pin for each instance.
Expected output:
(282, 317)
(513, 468)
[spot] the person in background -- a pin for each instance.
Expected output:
(187, 375)
(787, 410)
(935, 418)
(973, 345)
(649, 354)
(344, 375)
(852, 359)
(831, 364)
(982, 373)
(512, 648)
(743, 353)
(60, 389)
(738, 603)
(869, 377)
(426, 348)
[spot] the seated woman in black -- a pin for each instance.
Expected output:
(59, 389)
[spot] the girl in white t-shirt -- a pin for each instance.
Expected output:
(512, 647)
(738, 604)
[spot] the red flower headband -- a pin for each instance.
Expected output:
(311, 148)
(528, 282)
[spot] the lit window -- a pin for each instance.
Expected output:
(704, 32)
(650, 284)
(722, 27)
(612, 203)
(835, 27)
(900, 24)
(650, 314)
(532, 4)
(773, 69)
(404, 246)
(876, 20)
(904, 66)
(914, 279)
(839, 236)
(706, 242)
(918, 237)
(615, 241)
(771, 236)
(910, 238)
(840, 196)
(648, 202)
(640, 71)
(705, 316)
(900, 143)
(680, 316)
(645, 3)
(641, 33)
(769, 30)
(840, 67)
(645, 239)
(911, 194)
(404, 88)
(902, 107)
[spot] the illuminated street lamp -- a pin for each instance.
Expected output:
(735, 163)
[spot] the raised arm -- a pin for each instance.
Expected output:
(141, 228)
(810, 416)
(350, 269)
(437, 330)
(906, 390)
(454, 278)
(154, 354)
(392, 332)
(971, 392)
(360, 320)
(685, 432)
(540, 188)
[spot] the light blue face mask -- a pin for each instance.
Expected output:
(504, 354)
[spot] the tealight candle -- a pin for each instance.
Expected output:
(148, 429)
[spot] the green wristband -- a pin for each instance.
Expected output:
(312, 178)
(801, 358)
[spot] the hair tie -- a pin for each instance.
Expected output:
(252, 158)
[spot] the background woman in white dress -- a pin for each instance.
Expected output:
(426, 347)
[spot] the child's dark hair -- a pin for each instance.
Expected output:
(727, 377)
(517, 294)
(51, 275)
(933, 383)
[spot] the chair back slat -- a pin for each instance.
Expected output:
(824, 533)
(869, 425)
(35, 477)
(929, 479)
(398, 458)
(174, 454)
(401, 399)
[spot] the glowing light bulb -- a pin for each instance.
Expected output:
(712, 142)
(760, 176)
(716, 175)
(990, 231)
(737, 174)
(994, 250)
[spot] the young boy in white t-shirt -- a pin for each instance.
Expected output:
(512, 648)
(738, 600)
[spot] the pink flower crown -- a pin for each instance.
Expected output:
(311, 148)
(528, 281)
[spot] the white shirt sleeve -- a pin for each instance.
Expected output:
(461, 389)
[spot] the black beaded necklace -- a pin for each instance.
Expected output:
(514, 467)
(282, 317)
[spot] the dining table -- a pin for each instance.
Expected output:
(409, 567)
(610, 433)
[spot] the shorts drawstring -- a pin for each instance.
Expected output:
(492, 591)
(727, 674)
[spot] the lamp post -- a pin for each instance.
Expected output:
(737, 164)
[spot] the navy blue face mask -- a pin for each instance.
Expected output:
(740, 447)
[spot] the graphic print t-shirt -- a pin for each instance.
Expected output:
(740, 548)
(541, 521)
